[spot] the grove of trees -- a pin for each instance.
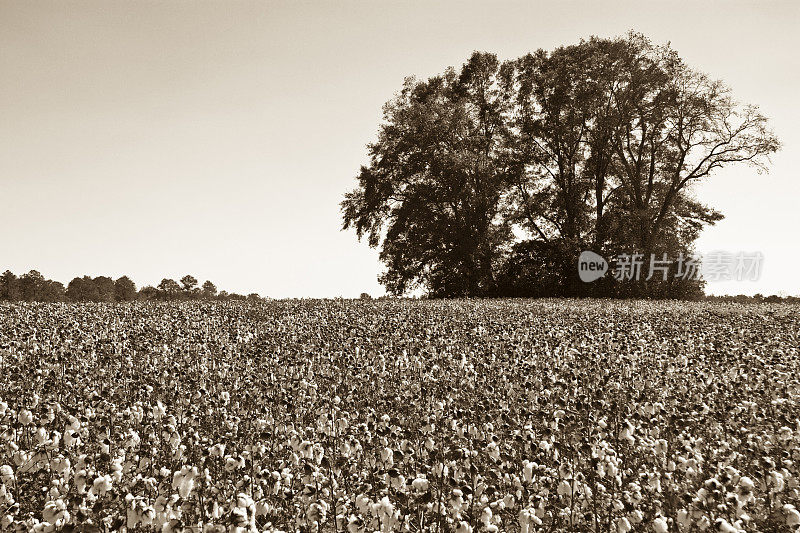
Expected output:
(34, 287)
(490, 179)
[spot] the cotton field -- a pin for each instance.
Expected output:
(365, 416)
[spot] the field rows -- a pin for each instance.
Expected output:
(365, 416)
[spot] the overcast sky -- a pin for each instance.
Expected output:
(156, 139)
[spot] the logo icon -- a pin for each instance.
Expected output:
(591, 266)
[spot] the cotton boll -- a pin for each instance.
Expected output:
(493, 450)
(102, 485)
(231, 464)
(791, 514)
(6, 473)
(354, 524)
(74, 424)
(724, 526)
(623, 525)
(660, 525)
(25, 417)
(626, 433)
(486, 516)
(363, 504)
(71, 438)
(398, 482)
(387, 456)
(683, 518)
(464, 527)
(54, 511)
(527, 471)
(420, 484)
(776, 481)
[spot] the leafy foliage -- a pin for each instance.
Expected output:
(590, 146)
(400, 415)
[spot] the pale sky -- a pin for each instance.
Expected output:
(156, 139)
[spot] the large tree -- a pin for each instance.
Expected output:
(9, 286)
(124, 289)
(209, 289)
(435, 181)
(31, 286)
(594, 145)
(169, 289)
(106, 288)
(83, 290)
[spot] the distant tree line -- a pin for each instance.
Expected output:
(34, 287)
(490, 179)
(756, 298)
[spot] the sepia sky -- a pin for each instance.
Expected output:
(159, 138)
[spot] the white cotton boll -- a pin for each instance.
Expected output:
(623, 525)
(102, 485)
(660, 525)
(6, 473)
(420, 484)
(725, 526)
(40, 436)
(55, 511)
(217, 450)
(508, 500)
(363, 504)
(626, 433)
(70, 438)
(43, 527)
(457, 500)
(25, 417)
(186, 482)
(354, 524)
(386, 506)
(527, 471)
(230, 464)
(792, 515)
(564, 488)
(147, 515)
(464, 527)
(527, 519)
(493, 450)
(3, 408)
(486, 516)
(244, 501)
(307, 449)
(387, 456)
(398, 482)
(683, 518)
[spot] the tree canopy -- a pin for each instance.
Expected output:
(34, 287)
(482, 170)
